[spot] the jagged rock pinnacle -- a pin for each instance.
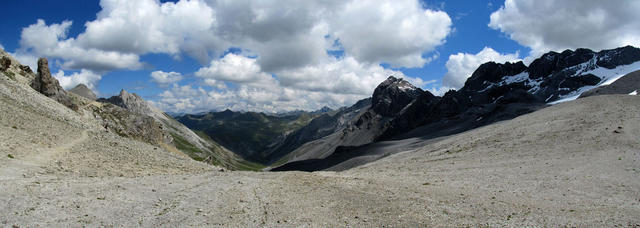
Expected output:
(47, 85)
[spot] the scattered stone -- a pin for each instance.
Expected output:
(26, 69)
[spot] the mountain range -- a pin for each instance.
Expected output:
(398, 110)
(508, 149)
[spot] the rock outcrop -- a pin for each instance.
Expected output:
(132, 102)
(49, 86)
(5, 63)
(393, 95)
(84, 91)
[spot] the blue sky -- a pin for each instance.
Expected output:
(283, 59)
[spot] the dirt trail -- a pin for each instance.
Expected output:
(38, 160)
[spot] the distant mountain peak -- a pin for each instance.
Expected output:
(84, 91)
(134, 103)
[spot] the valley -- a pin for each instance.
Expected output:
(494, 153)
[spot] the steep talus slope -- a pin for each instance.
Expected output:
(574, 161)
(321, 126)
(184, 139)
(41, 136)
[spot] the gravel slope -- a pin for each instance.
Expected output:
(574, 164)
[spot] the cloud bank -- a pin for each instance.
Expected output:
(283, 62)
(555, 25)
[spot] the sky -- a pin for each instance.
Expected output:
(188, 56)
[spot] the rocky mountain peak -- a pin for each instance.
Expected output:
(392, 95)
(47, 85)
(323, 109)
(84, 91)
(133, 103)
(492, 72)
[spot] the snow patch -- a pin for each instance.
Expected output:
(522, 77)
(635, 92)
(405, 87)
(607, 77)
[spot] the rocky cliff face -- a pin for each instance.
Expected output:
(49, 86)
(131, 102)
(392, 95)
(502, 91)
(553, 76)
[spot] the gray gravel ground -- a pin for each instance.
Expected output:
(574, 164)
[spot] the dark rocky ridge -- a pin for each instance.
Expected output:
(494, 92)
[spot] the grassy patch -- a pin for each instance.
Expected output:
(10, 156)
(248, 166)
(187, 148)
(245, 133)
(10, 75)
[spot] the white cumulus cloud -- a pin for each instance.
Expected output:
(395, 32)
(460, 66)
(51, 40)
(86, 77)
(546, 25)
(283, 62)
(234, 68)
(165, 78)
